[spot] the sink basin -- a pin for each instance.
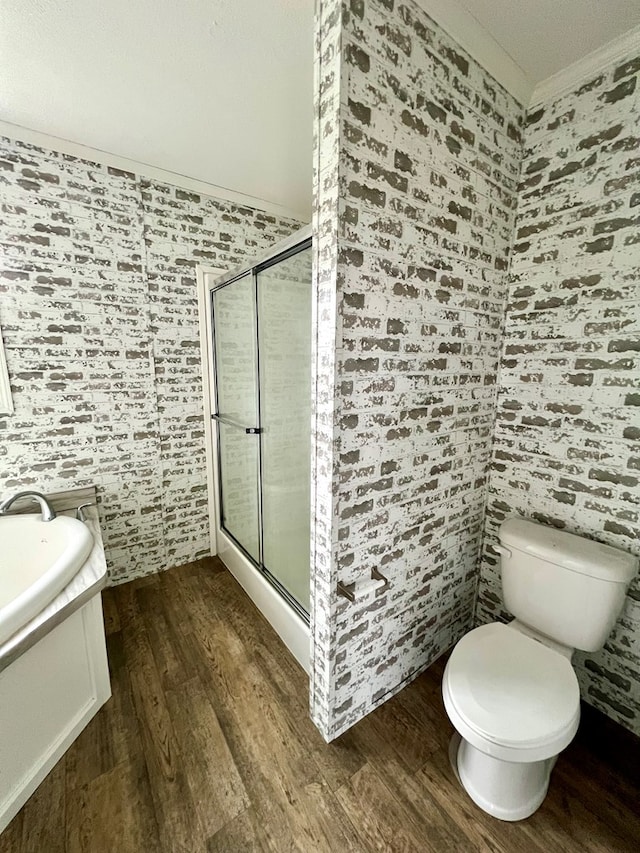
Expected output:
(37, 560)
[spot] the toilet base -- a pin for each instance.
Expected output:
(504, 789)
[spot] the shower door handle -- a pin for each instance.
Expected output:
(224, 420)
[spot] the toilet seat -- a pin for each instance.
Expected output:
(511, 694)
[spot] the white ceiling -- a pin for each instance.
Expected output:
(221, 90)
(545, 36)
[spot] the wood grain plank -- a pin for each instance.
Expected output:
(424, 816)
(113, 736)
(422, 699)
(179, 827)
(394, 734)
(334, 830)
(110, 612)
(337, 761)
(240, 834)
(126, 743)
(284, 783)
(184, 591)
(174, 666)
(610, 773)
(124, 596)
(207, 744)
(113, 812)
(45, 815)
(379, 819)
(93, 753)
(589, 821)
(216, 786)
(11, 836)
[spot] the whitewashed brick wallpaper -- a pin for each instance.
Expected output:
(98, 306)
(567, 436)
(418, 161)
(328, 67)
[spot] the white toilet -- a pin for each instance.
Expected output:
(510, 690)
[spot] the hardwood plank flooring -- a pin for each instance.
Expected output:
(207, 747)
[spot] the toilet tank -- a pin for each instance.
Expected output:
(564, 586)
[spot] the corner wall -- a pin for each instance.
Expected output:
(418, 158)
(99, 316)
(567, 437)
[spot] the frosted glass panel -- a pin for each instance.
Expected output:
(234, 321)
(284, 332)
(239, 475)
(234, 314)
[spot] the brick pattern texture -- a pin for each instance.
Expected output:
(98, 306)
(567, 437)
(429, 404)
(418, 157)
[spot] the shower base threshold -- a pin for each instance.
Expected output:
(290, 627)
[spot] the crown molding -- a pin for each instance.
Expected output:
(589, 66)
(469, 33)
(96, 155)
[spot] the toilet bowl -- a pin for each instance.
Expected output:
(510, 690)
(515, 704)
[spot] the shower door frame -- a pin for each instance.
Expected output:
(287, 622)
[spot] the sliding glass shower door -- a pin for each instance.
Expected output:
(262, 358)
(284, 335)
(234, 311)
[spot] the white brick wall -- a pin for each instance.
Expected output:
(418, 162)
(99, 312)
(567, 438)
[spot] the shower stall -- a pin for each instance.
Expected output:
(258, 346)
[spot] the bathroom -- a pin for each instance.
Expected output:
(469, 177)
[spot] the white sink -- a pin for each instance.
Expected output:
(37, 560)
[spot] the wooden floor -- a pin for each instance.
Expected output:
(206, 745)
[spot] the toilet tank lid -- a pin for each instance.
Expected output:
(569, 551)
